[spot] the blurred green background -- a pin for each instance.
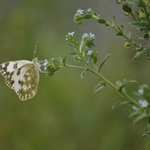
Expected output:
(65, 114)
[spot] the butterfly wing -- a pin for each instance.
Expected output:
(28, 83)
(21, 76)
(7, 67)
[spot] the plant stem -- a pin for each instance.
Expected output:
(124, 95)
(123, 35)
(76, 67)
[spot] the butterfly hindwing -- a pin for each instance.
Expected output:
(28, 84)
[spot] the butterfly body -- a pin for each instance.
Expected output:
(22, 76)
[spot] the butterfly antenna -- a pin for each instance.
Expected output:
(35, 49)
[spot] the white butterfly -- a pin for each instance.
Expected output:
(22, 76)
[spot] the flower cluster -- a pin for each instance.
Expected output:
(69, 36)
(81, 15)
(50, 67)
(144, 92)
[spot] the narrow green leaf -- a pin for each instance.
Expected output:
(146, 36)
(64, 60)
(138, 112)
(119, 34)
(125, 83)
(147, 128)
(95, 60)
(102, 63)
(126, 8)
(143, 25)
(101, 21)
(113, 22)
(73, 53)
(120, 103)
(120, 30)
(146, 134)
(147, 51)
(99, 87)
(87, 16)
(140, 117)
(83, 73)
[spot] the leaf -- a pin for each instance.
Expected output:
(83, 73)
(101, 21)
(73, 53)
(146, 51)
(146, 36)
(113, 22)
(147, 128)
(95, 60)
(119, 34)
(120, 30)
(146, 134)
(143, 25)
(99, 87)
(102, 63)
(94, 56)
(126, 8)
(64, 60)
(137, 112)
(87, 16)
(125, 83)
(140, 117)
(120, 103)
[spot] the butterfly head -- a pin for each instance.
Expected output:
(36, 64)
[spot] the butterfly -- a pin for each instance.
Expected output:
(22, 76)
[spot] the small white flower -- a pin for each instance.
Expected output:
(71, 33)
(141, 91)
(69, 36)
(143, 103)
(89, 52)
(85, 35)
(80, 12)
(92, 35)
(45, 64)
(89, 10)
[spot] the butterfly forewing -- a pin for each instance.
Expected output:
(8, 67)
(22, 76)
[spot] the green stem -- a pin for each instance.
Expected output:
(123, 35)
(124, 95)
(114, 28)
(75, 67)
